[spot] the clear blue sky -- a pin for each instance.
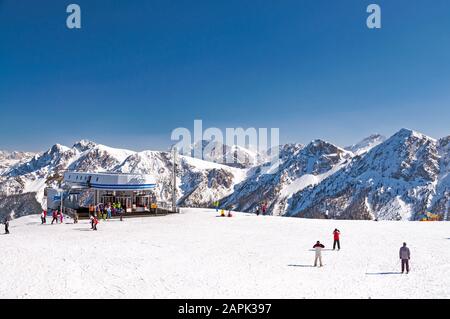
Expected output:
(138, 69)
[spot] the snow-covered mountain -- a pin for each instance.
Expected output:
(300, 167)
(199, 182)
(397, 178)
(401, 178)
(234, 156)
(8, 159)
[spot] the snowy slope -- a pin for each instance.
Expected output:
(197, 255)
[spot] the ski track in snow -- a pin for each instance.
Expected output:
(197, 255)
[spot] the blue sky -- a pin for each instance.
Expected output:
(138, 69)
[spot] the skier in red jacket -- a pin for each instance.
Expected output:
(95, 222)
(264, 208)
(336, 235)
(55, 217)
(318, 249)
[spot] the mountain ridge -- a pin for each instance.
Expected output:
(400, 177)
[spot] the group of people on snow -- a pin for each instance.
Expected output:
(319, 246)
(216, 205)
(262, 208)
(258, 209)
(222, 213)
(105, 212)
(108, 211)
(56, 216)
(404, 252)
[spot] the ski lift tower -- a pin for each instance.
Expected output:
(447, 208)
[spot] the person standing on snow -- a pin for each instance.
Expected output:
(405, 255)
(55, 217)
(61, 217)
(336, 234)
(43, 217)
(91, 217)
(264, 207)
(95, 222)
(6, 222)
(121, 212)
(75, 218)
(216, 205)
(318, 248)
(257, 211)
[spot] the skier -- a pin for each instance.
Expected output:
(91, 217)
(55, 217)
(108, 211)
(222, 213)
(43, 217)
(264, 208)
(257, 211)
(61, 217)
(95, 222)
(229, 213)
(216, 205)
(405, 255)
(336, 234)
(318, 247)
(6, 222)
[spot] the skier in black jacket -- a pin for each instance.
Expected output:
(6, 222)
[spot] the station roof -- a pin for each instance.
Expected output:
(110, 181)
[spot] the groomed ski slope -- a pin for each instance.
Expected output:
(198, 255)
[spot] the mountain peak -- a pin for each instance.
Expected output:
(406, 133)
(366, 144)
(58, 148)
(319, 144)
(84, 145)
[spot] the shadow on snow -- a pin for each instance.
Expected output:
(384, 273)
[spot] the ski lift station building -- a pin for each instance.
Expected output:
(134, 192)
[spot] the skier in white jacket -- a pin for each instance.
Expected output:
(318, 248)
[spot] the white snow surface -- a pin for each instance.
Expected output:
(195, 254)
